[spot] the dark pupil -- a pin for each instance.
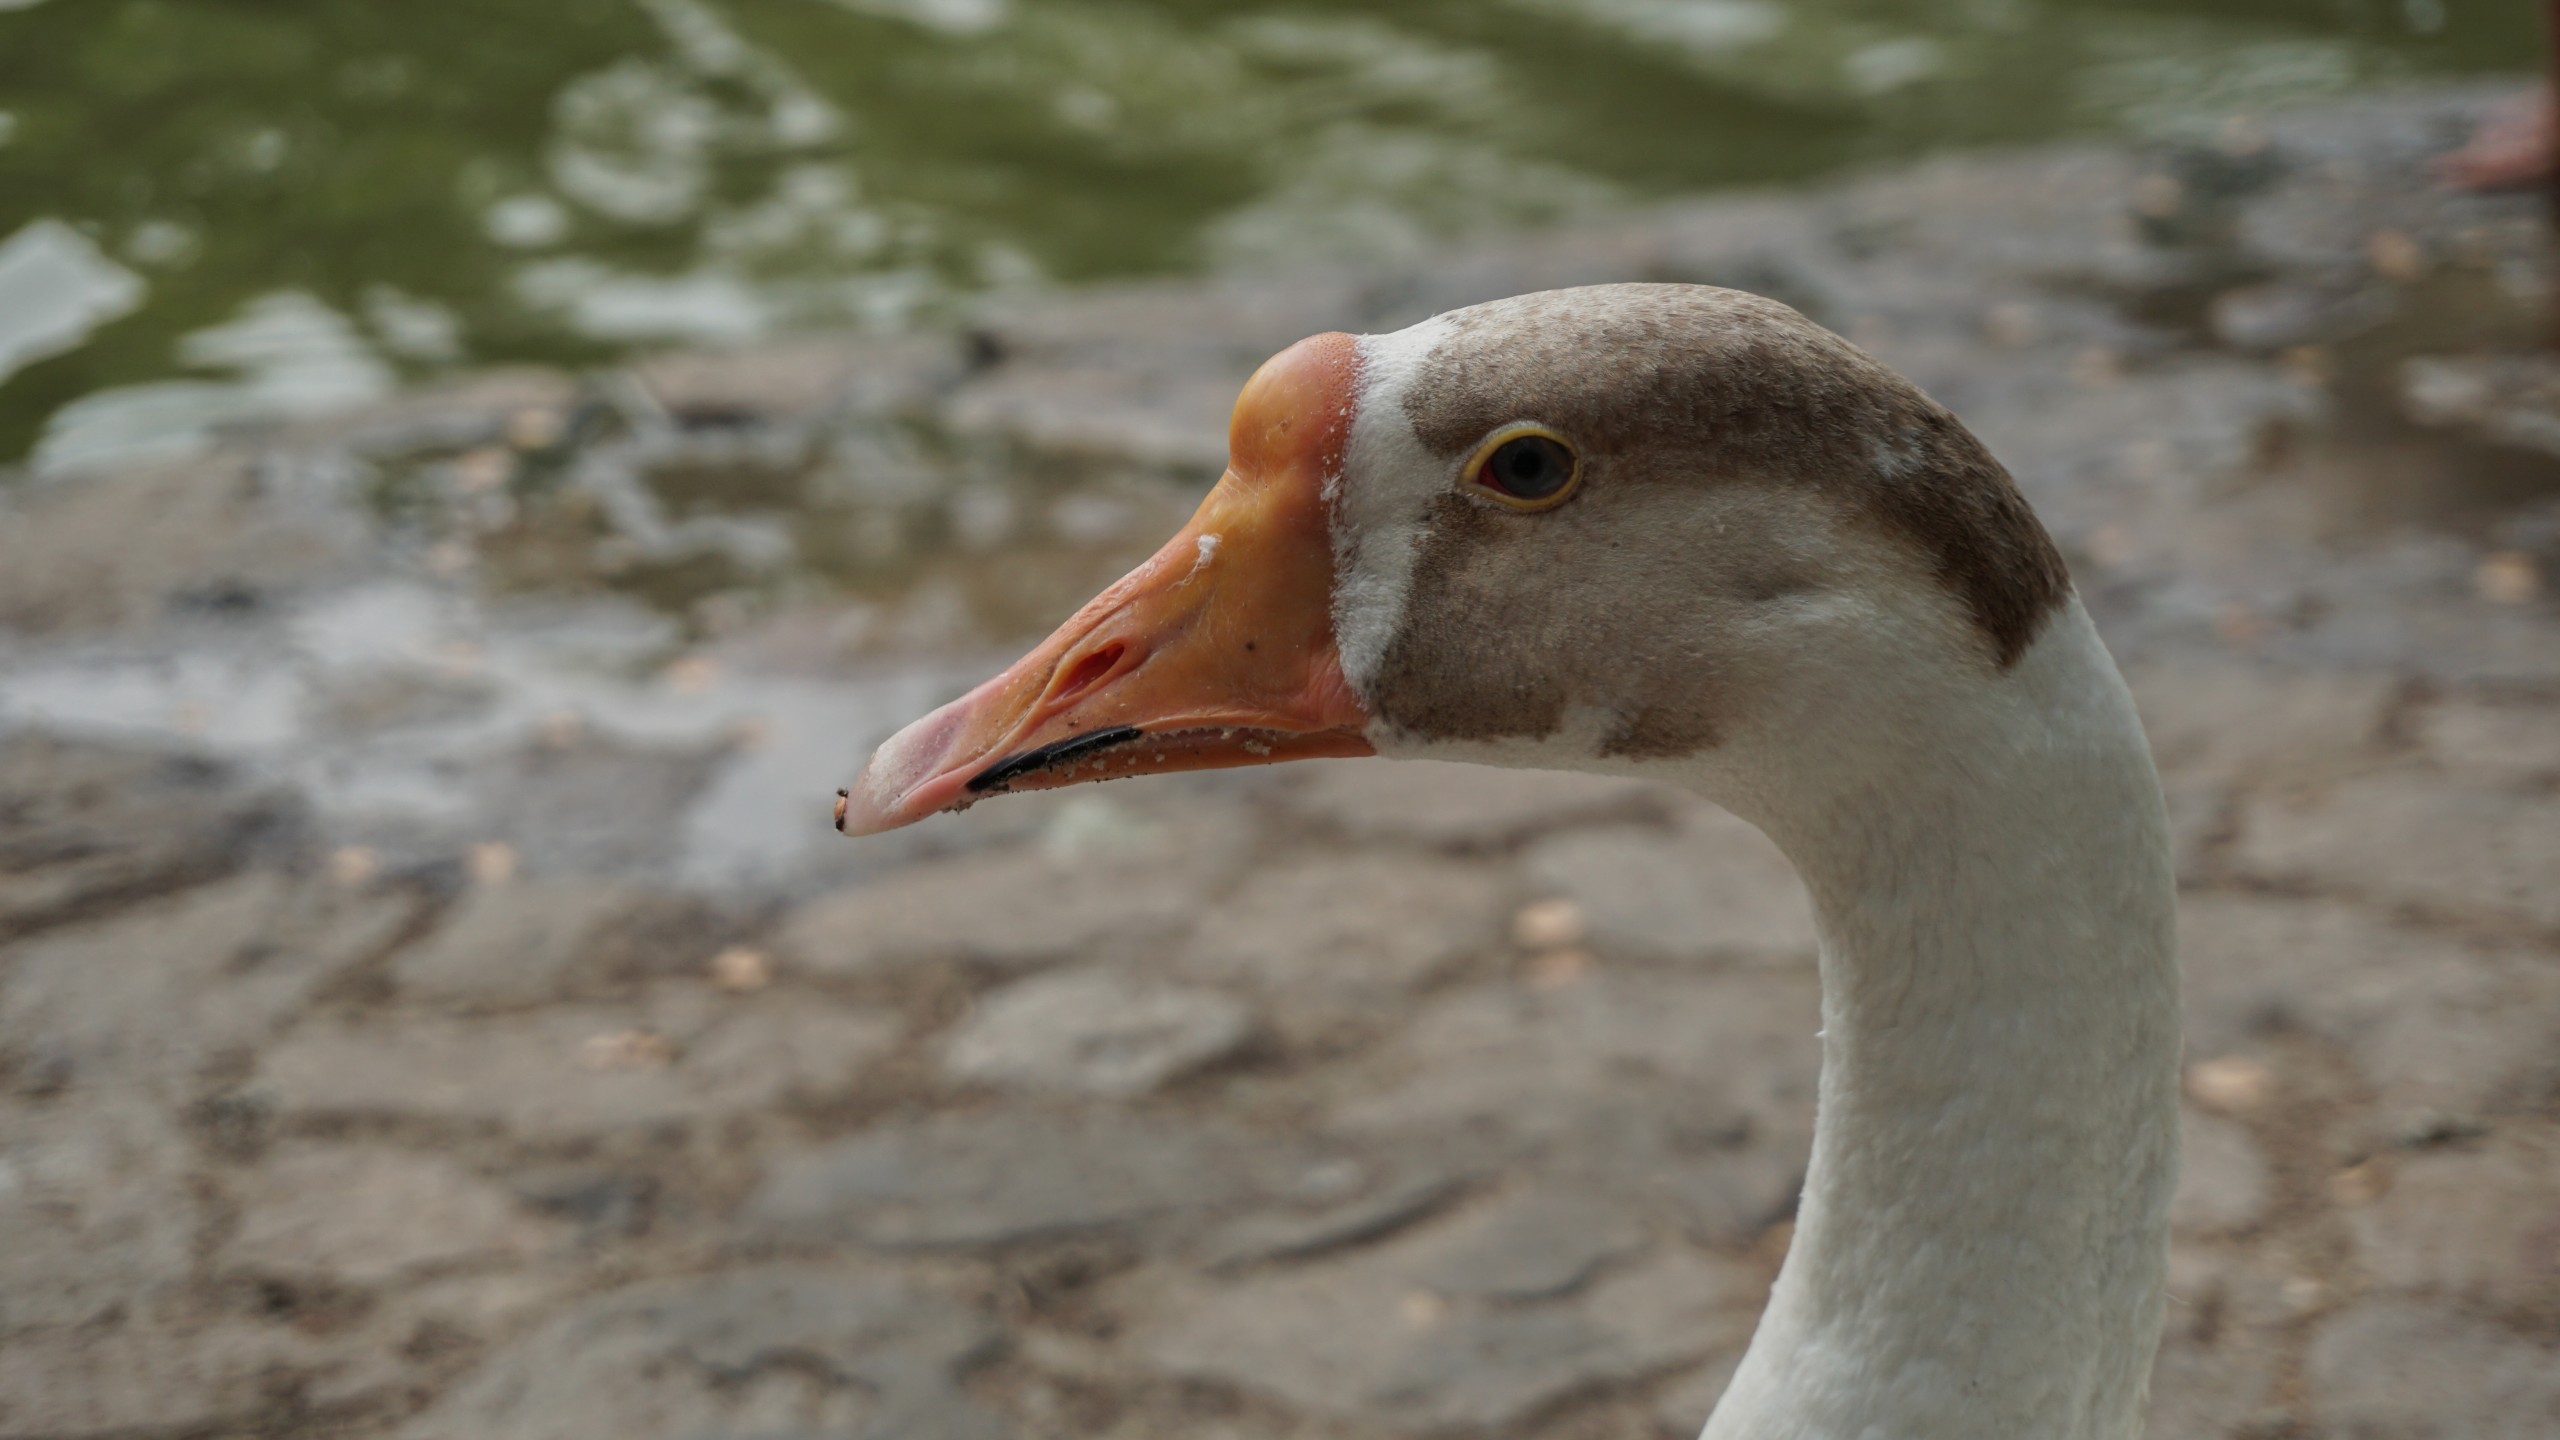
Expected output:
(1531, 467)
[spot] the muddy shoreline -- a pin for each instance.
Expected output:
(432, 1000)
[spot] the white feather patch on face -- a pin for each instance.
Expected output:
(1382, 501)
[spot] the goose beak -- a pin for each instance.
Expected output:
(1218, 651)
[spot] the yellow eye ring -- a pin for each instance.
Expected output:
(1524, 467)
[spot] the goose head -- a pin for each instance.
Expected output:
(1658, 529)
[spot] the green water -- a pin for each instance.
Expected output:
(283, 203)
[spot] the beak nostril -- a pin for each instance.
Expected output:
(1086, 673)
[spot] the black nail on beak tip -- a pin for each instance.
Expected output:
(843, 797)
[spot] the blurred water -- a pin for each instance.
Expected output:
(249, 205)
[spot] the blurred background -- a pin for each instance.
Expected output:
(474, 479)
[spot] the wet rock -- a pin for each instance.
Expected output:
(365, 1214)
(600, 807)
(2436, 1024)
(1093, 1032)
(2222, 1180)
(1354, 1341)
(153, 995)
(1325, 1221)
(1461, 807)
(2281, 314)
(1008, 910)
(2507, 399)
(1142, 374)
(154, 1373)
(1336, 939)
(120, 548)
(2503, 741)
(801, 380)
(2479, 1224)
(769, 1351)
(1692, 1093)
(999, 1176)
(1714, 889)
(574, 1070)
(96, 1209)
(1531, 1244)
(2216, 726)
(2412, 838)
(512, 944)
(86, 826)
(2390, 1370)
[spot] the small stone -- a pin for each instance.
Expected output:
(2507, 577)
(354, 865)
(691, 675)
(491, 862)
(2096, 367)
(2232, 1085)
(741, 968)
(2159, 196)
(1549, 925)
(562, 728)
(1558, 968)
(626, 1050)
(536, 428)
(1094, 1033)
(476, 472)
(2395, 255)
(2012, 323)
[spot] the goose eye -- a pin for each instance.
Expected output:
(1527, 471)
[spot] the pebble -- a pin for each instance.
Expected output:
(2232, 1085)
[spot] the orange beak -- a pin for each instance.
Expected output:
(1218, 651)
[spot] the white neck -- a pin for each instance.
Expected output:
(1983, 1235)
